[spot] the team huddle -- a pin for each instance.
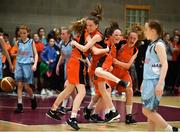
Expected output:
(111, 59)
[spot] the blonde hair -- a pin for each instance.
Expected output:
(78, 26)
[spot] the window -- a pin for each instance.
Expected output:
(136, 14)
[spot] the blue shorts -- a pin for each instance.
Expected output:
(23, 73)
(149, 99)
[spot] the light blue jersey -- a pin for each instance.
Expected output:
(152, 68)
(25, 58)
(152, 64)
(66, 50)
(25, 52)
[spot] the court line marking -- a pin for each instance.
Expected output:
(14, 123)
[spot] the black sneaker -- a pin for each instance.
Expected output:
(124, 83)
(129, 119)
(87, 113)
(175, 129)
(96, 118)
(73, 123)
(112, 116)
(19, 108)
(33, 103)
(62, 110)
(53, 114)
(137, 93)
(106, 116)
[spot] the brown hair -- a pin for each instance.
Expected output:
(39, 29)
(96, 15)
(137, 28)
(109, 30)
(155, 24)
(25, 28)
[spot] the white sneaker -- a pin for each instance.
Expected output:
(113, 93)
(49, 93)
(43, 92)
(92, 91)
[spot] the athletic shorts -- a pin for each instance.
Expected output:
(75, 71)
(23, 73)
(149, 99)
(105, 62)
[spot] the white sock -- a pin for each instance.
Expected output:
(19, 100)
(117, 81)
(128, 109)
(74, 114)
(168, 128)
(64, 103)
(113, 109)
(106, 111)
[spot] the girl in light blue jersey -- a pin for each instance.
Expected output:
(155, 69)
(66, 49)
(26, 63)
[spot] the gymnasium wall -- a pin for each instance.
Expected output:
(56, 13)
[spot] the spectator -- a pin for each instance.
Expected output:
(49, 57)
(42, 37)
(38, 80)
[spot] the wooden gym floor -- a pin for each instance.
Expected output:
(35, 120)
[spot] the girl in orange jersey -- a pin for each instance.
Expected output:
(95, 39)
(75, 78)
(124, 60)
(113, 33)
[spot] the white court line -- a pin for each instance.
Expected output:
(170, 106)
(12, 123)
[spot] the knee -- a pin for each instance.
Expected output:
(20, 85)
(145, 112)
(68, 90)
(81, 91)
(95, 98)
(98, 71)
(27, 86)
